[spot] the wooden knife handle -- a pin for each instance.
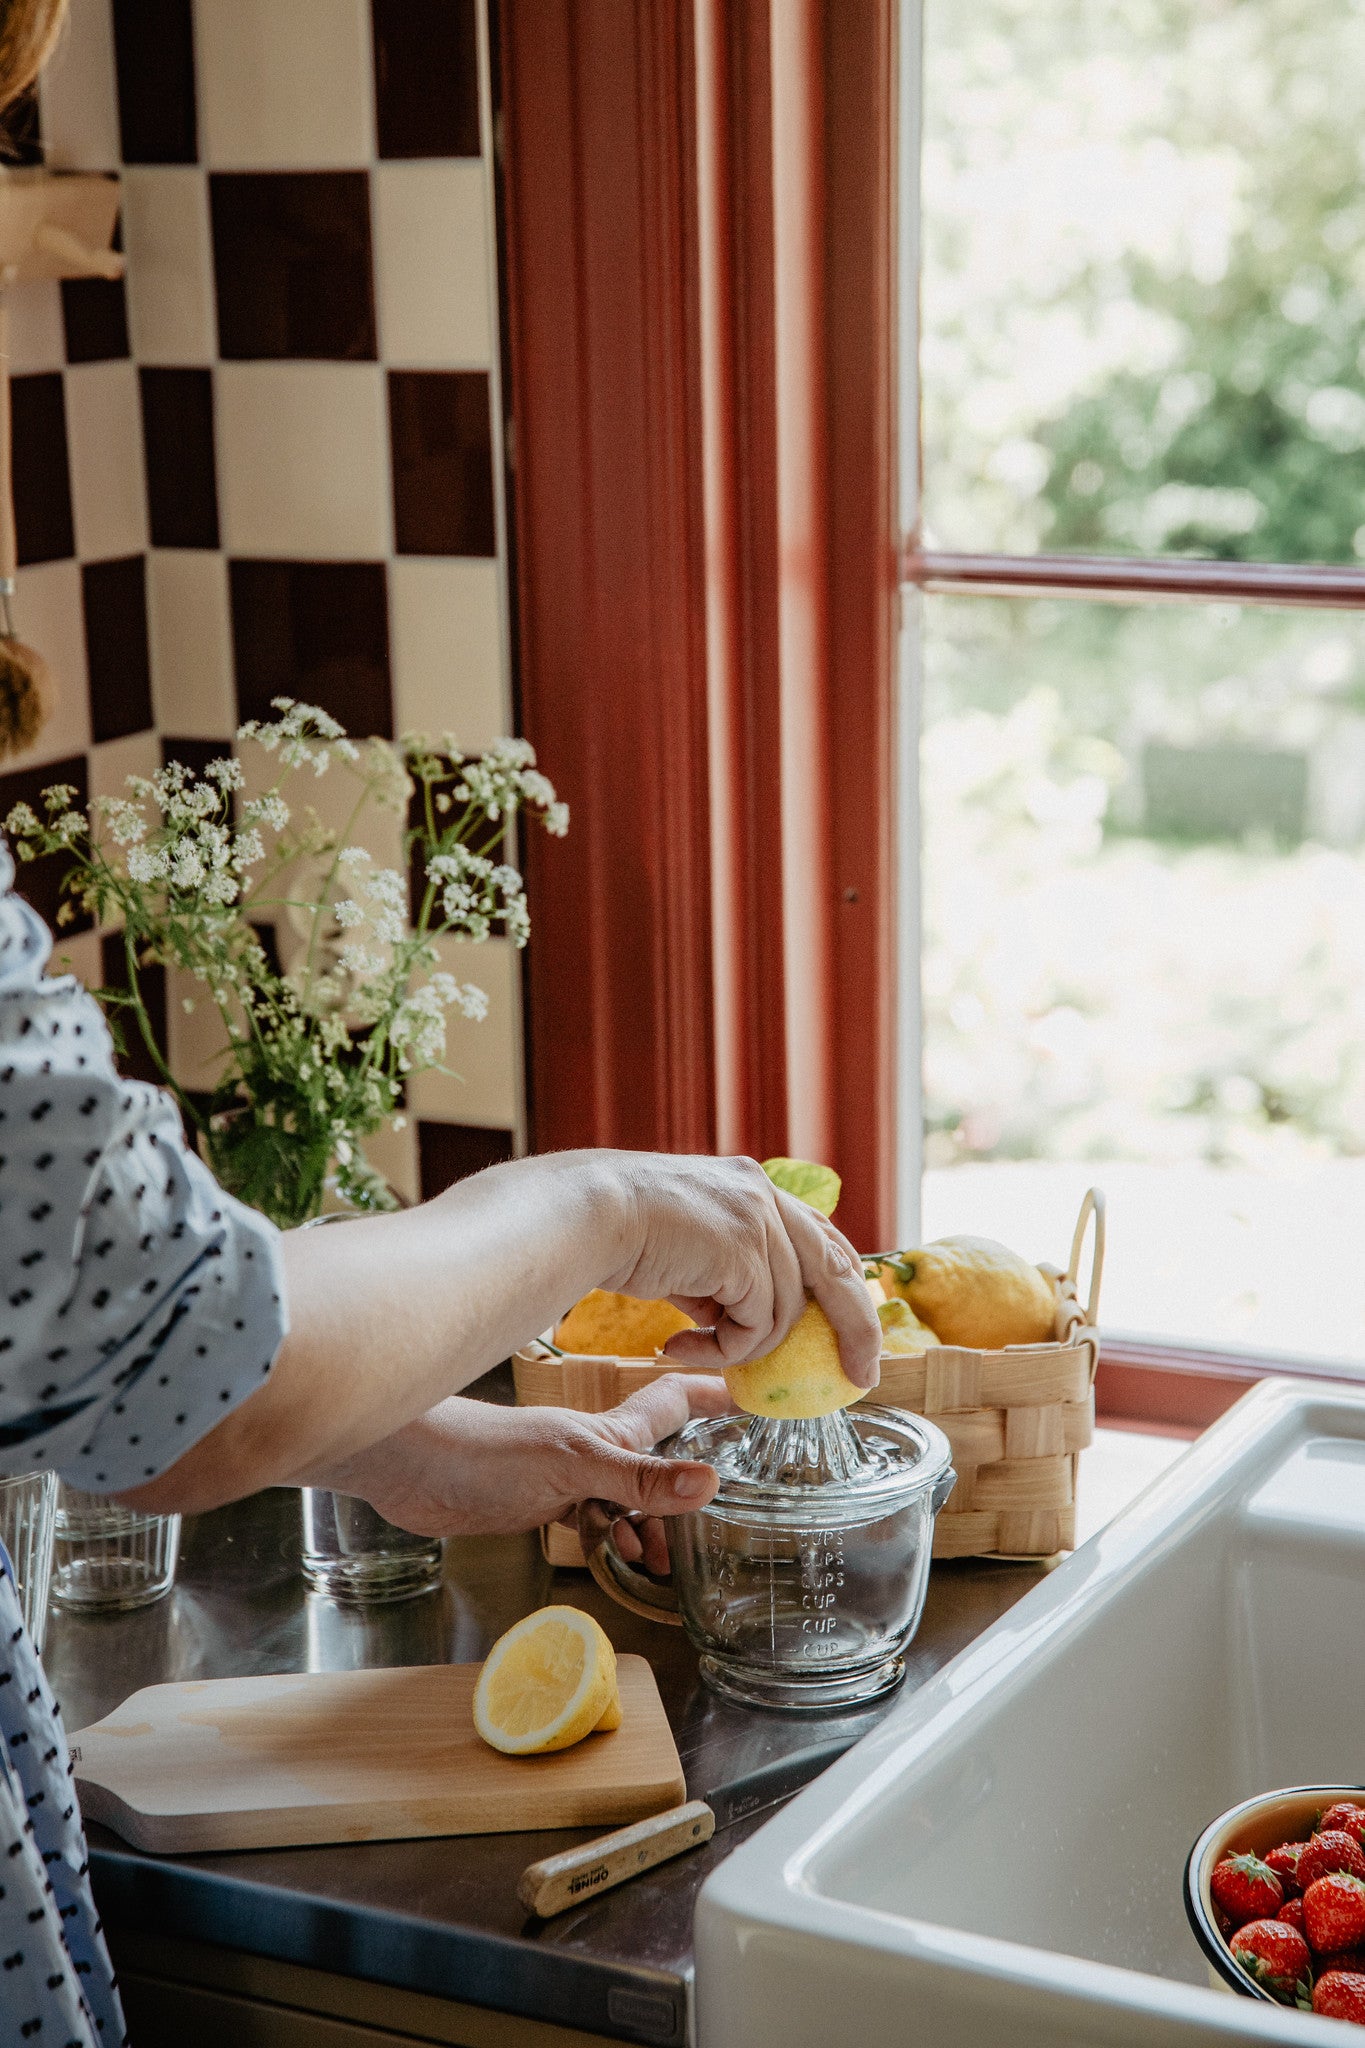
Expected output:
(557, 1883)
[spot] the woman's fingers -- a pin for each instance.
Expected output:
(614, 1467)
(833, 1272)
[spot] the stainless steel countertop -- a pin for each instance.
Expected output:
(441, 1916)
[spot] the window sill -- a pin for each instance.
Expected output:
(1179, 1390)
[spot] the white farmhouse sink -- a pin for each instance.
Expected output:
(1000, 1862)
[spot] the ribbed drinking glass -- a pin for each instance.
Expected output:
(27, 1510)
(111, 1556)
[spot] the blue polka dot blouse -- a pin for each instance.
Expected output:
(138, 1305)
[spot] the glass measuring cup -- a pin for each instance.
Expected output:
(802, 1581)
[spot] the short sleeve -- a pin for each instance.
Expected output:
(139, 1304)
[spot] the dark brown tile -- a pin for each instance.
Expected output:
(292, 265)
(95, 316)
(441, 440)
(130, 1048)
(40, 880)
(115, 595)
(426, 76)
(318, 631)
(154, 58)
(193, 754)
(177, 432)
(20, 134)
(42, 472)
(451, 1152)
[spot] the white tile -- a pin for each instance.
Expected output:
(113, 761)
(108, 485)
(394, 1154)
(79, 93)
(196, 1039)
(37, 339)
(483, 1085)
(49, 617)
(171, 313)
(446, 637)
(78, 954)
(284, 85)
(303, 470)
(190, 632)
(432, 272)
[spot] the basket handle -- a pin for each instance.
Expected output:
(1092, 1208)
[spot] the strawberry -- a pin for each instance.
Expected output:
(1340, 1995)
(1345, 1959)
(1275, 1957)
(1284, 1861)
(1345, 1814)
(1331, 1850)
(1291, 1912)
(1246, 1889)
(1334, 1912)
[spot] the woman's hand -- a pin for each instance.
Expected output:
(739, 1256)
(393, 1314)
(468, 1468)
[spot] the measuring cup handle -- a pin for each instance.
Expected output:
(631, 1589)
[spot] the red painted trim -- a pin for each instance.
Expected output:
(860, 359)
(738, 311)
(796, 137)
(600, 225)
(702, 371)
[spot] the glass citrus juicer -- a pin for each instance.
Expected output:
(803, 1580)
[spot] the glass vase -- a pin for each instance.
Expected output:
(111, 1556)
(353, 1553)
(27, 1513)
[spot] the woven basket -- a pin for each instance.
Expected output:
(1017, 1419)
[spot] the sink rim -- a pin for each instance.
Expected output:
(775, 1879)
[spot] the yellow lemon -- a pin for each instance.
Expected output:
(975, 1292)
(616, 1325)
(903, 1333)
(611, 1716)
(547, 1683)
(802, 1377)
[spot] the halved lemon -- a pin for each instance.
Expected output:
(547, 1683)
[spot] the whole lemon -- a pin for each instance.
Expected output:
(618, 1326)
(801, 1377)
(903, 1334)
(974, 1292)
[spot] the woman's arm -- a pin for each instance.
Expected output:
(392, 1314)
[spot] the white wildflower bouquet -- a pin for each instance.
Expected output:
(315, 1053)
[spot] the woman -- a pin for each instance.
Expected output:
(161, 1343)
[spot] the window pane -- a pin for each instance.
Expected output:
(1144, 953)
(1144, 283)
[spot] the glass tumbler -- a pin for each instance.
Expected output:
(27, 1510)
(111, 1556)
(353, 1553)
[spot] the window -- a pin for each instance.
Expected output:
(1136, 562)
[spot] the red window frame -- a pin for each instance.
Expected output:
(698, 229)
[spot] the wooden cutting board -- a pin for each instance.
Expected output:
(356, 1756)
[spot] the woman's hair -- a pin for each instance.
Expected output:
(28, 30)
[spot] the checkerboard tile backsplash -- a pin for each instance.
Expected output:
(268, 461)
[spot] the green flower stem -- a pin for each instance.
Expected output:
(144, 1024)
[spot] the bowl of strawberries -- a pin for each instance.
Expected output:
(1275, 1893)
